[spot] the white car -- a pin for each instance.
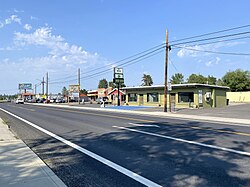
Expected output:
(20, 101)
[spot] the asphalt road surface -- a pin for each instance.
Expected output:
(91, 148)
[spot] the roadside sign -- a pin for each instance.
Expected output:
(74, 88)
(118, 81)
(25, 86)
(119, 76)
(169, 86)
(200, 96)
(118, 71)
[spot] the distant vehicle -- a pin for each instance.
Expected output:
(40, 100)
(58, 100)
(20, 101)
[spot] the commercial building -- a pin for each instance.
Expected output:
(180, 95)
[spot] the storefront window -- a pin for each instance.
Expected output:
(185, 97)
(152, 97)
(132, 97)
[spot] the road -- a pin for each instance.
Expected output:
(101, 148)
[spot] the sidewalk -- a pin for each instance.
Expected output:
(20, 166)
(231, 120)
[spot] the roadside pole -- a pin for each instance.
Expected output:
(43, 86)
(47, 85)
(118, 95)
(166, 74)
(79, 79)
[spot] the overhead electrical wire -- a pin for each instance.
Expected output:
(135, 60)
(117, 62)
(216, 52)
(211, 33)
(212, 38)
(163, 45)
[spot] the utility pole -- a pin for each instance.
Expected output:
(79, 79)
(119, 103)
(43, 86)
(166, 74)
(47, 85)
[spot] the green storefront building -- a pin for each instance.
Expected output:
(180, 95)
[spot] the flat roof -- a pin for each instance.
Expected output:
(189, 85)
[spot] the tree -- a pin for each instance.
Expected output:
(211, 80)
(83, 91)
(64, 91)
(194, 78)
(103, 83)
(147, 80)
(177, 78)
(111, 84)
(237, 80)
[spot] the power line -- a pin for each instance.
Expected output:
(212, 38)
(117, 62)
(87, 77)
(121, 65)
(216, 52)
(173, 65)
(211, 33)
(245, 37)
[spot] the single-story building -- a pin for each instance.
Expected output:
(180, 95)
(113, 96)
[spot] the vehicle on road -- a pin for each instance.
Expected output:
(20, 101)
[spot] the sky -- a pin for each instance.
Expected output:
(61, 36)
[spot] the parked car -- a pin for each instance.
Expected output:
(58, 100)
(20, 101)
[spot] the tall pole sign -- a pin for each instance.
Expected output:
(118, 78)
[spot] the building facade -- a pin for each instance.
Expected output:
(179, 96)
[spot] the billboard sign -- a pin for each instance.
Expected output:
(74, 88)
(25, 86)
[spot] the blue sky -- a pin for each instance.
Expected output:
(60, 36)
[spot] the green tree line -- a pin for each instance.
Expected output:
(238, 80)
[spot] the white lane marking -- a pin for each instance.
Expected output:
(105, 161)
(142, 125)
(187, 141)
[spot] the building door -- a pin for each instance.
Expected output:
(140, 99)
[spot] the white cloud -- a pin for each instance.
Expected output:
(60, 54)
(27, 27)
(13, 18)
(213, 62)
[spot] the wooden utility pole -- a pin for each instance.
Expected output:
(79, 84)
(166, 74)
(47, 85)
